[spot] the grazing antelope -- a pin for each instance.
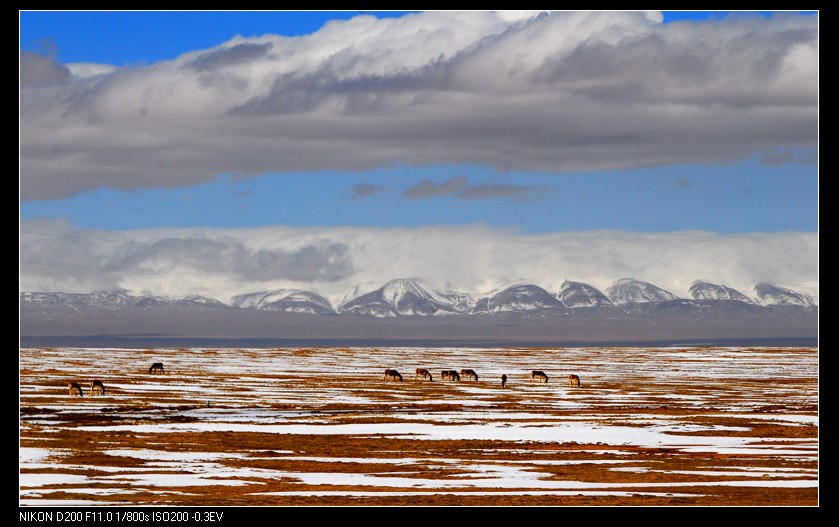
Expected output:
(392, 375)
(574, 380)
(450, 375)
(157, 367)
(538, 376)
(469, 374)
(504, 380)
(96, 387)
(75, 388)
(422, 373)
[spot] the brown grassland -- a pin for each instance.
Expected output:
(304, 427)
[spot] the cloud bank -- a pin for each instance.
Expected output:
(337, 262)
(568, 91)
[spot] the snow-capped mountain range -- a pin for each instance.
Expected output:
(413, 297)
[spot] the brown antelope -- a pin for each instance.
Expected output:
(157, 367)
(423, 373)
(96, 387)
(392, 375)
(469, 374)
(574, 380)
(75, 388)
(504, 380)
(450, 375)
(538, 376)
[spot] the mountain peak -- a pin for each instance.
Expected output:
(706, 291)
(402, 296)
(578, 294)
(290, 300)
(771, 295)
(631, 291)
(518, 298)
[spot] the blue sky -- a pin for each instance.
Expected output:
(410, 121)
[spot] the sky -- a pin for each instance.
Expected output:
(220, 153)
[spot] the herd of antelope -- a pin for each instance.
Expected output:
(466, 374)
(98, 388)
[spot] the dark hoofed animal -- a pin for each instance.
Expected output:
(469, 374)
(450, 375)
(157, 367)
(423, 373)
(504, 380)
(392, 375)
(75, 388)
(574, 380)
(538, 376)
(96, 387)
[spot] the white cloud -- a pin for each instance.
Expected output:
(331, 261)
(561, 92)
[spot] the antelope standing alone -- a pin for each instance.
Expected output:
(157, 367)
(574, 380)
(392, 375)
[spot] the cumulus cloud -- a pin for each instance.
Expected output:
(344, 261)
(565, 91)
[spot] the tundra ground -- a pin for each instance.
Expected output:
(253, 427)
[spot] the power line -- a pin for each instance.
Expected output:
(79, 237)
(70, 265)
(91, 267)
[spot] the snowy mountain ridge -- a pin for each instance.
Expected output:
(413, 297)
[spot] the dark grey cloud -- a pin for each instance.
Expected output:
(364, 190)
(233, 55)
(515, 192)
(59, 257)
(324, 261)
(573, 91)
(459, 187)
(428, 189)
(784, 156)
(321, 262)
(709, 63)
(39, 70)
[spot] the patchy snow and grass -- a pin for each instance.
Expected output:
(231, 425)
